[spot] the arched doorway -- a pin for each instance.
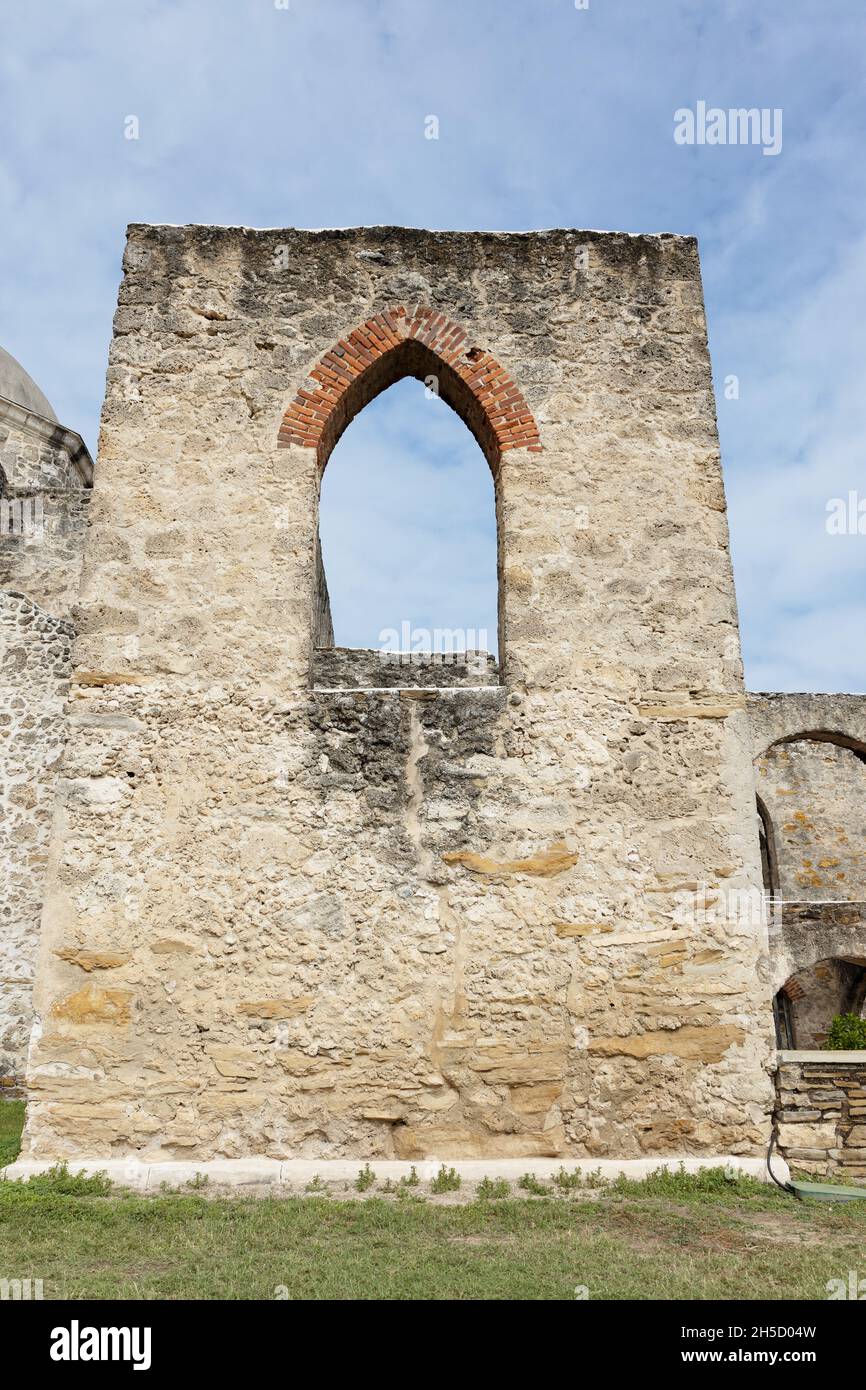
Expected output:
(808, 1002)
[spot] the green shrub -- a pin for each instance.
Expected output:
(493, 1189)
(366, 1178)
(446, 1180)
(847, 1034)
(60, 1182)
(530, 1183)
(566, 1181)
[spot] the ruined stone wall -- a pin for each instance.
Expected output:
(44, 475)
(815, 795)
(810, 763)
(304, 922)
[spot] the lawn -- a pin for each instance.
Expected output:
(671, 1237)
(11, 1124)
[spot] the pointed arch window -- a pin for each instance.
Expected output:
(415, 342)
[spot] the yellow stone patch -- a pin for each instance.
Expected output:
(544, 865)
(234, 1061)
(94, 1005)
(694, 709)
(535, 1100)
(92, 960)
(693, 1044)
(276, 1008)
(580, 928)
(109, 678)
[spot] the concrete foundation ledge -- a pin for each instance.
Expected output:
(826, 1057)
(294, 1174)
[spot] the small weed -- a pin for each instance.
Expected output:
(365, 1179)
(315, 1184)
(492, 1189)
(567, 1182)
(60, 1182)
(446, 1180)
(413, 1180)
(405, 1196)
(530, 1183)
(198, 1182)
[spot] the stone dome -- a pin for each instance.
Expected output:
(17, 386)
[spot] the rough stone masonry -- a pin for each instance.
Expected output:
(296, 910)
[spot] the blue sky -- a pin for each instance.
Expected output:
(549, 116)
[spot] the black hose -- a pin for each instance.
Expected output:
(785, 1186)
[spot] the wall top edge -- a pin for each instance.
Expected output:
(831, 1058)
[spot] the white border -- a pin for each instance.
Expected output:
(296, 1173)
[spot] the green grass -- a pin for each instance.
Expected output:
(11, 1124)
(671, 1237)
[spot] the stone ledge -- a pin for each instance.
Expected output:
(297, 1172)
(831, 1059)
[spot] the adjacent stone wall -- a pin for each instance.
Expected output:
(35, 676)
(810, 769)
(40, 454)
(306, 922)
(803, 934)
(45, 472)
(815, 795)
(777, 717)
(821, 1113)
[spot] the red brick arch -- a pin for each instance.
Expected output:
(419, 342)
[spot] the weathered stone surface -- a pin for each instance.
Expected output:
(810, 762)
(234, 1061)
(469, 1143)
(807, 1136)
(403, 861)
(45, 475)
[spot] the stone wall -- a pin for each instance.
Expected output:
(315, 922)
(45, 472)
(815, 795)
(821, 1113)
(810, 765)
(35, 651)
(802, 934)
